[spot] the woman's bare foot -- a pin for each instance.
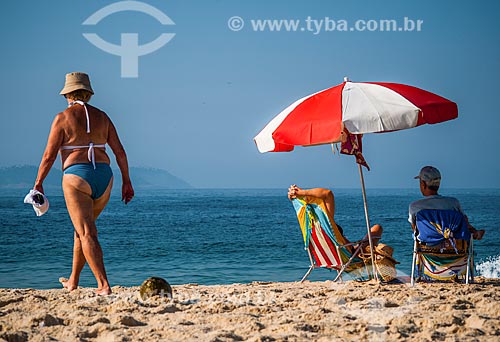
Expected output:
(106, 291)
(67, 284)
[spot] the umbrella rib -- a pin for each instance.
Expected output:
(380, 121)
(344, 109)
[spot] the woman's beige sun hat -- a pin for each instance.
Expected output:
(76, 81)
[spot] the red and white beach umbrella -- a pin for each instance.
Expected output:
(359, 107)
(353, 108)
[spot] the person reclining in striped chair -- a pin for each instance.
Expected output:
(329, 199)
(326, 244)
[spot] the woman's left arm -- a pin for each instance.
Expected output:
(50, 155)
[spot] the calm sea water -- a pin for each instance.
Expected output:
(212, 236)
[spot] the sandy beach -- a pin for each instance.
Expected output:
(312, 311)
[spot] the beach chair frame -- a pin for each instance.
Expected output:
(419, 250)
(417, 268)
(343, 266)
(321, 241)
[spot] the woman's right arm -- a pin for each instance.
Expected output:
(54, 143)
(121, 159)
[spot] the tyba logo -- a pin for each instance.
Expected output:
(129, 50)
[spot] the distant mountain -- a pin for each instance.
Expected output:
(153, 178)
(24, 177)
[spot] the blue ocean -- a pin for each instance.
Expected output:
(213, 236)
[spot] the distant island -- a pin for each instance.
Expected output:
(23, 177)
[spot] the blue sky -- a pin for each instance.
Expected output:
(198, 101)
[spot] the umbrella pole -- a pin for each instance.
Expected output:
(372, 256)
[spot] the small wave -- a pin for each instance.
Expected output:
(489, 268)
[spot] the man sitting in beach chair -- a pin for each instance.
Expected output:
(324, 239)
(442, 232)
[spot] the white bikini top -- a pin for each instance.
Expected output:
(91, 146)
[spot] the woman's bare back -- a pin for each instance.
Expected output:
(73, 123)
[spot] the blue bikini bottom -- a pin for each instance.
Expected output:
(97, 178)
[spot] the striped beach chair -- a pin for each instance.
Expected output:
(443, 248)
(324, 243)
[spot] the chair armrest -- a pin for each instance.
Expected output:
(360, 241)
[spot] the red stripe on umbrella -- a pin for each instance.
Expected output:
(323, 124)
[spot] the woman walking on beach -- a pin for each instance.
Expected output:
(80, 133)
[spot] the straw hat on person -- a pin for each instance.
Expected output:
(76, 81)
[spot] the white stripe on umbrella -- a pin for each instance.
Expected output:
(368, 108)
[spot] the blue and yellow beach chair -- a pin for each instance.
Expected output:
(443, 247)
(325, 245)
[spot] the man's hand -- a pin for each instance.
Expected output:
(477, 234)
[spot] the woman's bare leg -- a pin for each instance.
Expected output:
(101, 202)
(77, 194)
(78, 264)
(79, 260)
